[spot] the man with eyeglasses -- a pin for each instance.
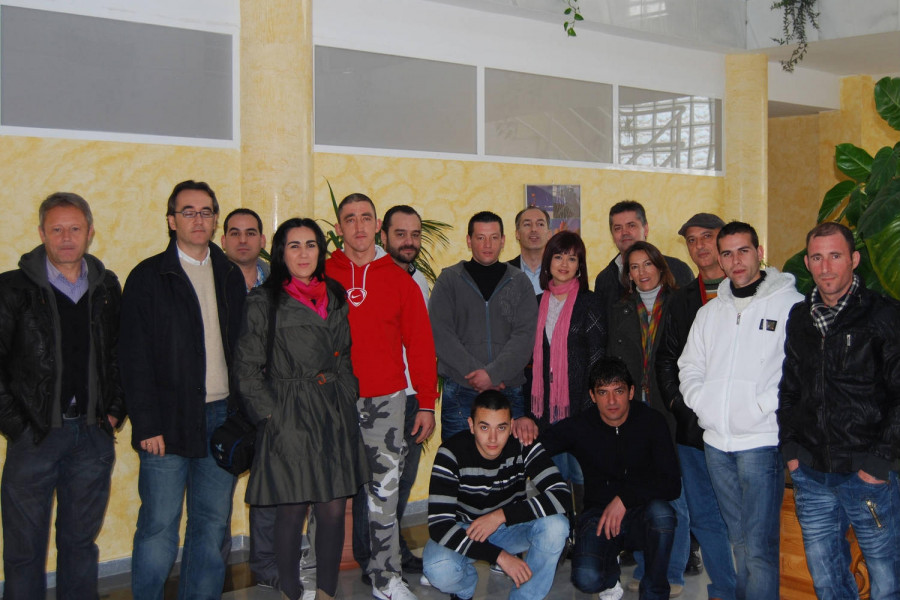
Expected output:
(181, 312)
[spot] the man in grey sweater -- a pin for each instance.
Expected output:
(483, 316)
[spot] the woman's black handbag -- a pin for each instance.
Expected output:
(232, 443)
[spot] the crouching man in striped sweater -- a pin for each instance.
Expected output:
(478, 508)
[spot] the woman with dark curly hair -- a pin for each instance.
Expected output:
(634, 324)
(300, 389)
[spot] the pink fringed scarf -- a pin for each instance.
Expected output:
(314, 294)
(559, 354)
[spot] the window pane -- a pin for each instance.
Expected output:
(63, 71)
(373, 100)
(659, 129)
(536, 116)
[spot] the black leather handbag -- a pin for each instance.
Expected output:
(233, 442)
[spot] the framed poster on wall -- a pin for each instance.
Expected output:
(562, 203)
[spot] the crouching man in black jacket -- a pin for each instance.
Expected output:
(630, 475)
(839, 419)
(60, 399)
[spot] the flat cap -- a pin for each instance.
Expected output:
(704, 220)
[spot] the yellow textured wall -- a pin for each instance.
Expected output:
(452, 191)
(801, 161)
(127, 186)
(746, 110)
(794, 190)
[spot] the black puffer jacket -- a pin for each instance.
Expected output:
(674, 329)
(839, 398)
(163, 353)
(30, 354)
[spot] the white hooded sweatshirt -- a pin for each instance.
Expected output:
(731, 365)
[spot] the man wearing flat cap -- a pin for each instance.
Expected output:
(706, 521)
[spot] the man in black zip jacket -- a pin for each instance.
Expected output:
(630, 475)
(60, 400)
(181, 312)
(839, 419)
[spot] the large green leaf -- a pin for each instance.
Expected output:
(867, 273)
(884, 252)
(796, 267)
(834, 197)
(884, 168)
(854, 162)
(887, 100)
(854, 207)
(881, 212)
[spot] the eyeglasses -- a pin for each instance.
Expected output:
(190, 213)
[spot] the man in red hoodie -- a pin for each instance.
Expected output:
(387, 313)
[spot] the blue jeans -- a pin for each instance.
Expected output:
(827, 503)
(569, 468)
(543, 539)
(76, 460)
(681, 545)
(707, 523)
(650, 528)
(456, 407)
(749, 486)
(161, 484)
(362, 550)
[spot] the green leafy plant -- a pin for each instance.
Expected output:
(796, 13)
(868, 203)
(573, 15)
(433, 234)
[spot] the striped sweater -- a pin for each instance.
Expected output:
(465, 486)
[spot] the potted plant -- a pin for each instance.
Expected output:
(868, 203)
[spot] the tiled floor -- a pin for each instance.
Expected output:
(350, 587)
(490, 585)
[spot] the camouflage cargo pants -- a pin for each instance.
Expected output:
(381, 424)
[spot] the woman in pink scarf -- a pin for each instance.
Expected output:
(570, 337)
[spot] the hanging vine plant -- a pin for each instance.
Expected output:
(796, 15)
(573, 15)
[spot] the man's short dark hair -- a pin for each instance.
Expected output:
(190, 184)
(832, 228)
(628, 206)
(609, 370)
(400, 208)
(353, 198)
(522, 212)
(243, 211)
(484, 216)
(64, 199)
(738, 227)
(491, 400)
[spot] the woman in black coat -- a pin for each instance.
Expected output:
(570, 337)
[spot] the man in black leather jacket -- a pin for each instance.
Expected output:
(839, 419)
(60, 399)
(706, 520)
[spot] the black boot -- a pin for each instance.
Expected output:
(694, 563)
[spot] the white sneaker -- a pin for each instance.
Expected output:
(424, 581)
(613, 593)
(396, 590)
(308, 595)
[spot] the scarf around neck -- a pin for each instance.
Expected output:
(313, 294)
(559, 354)
(649, 326)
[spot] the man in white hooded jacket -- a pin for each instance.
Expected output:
(729, 373)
